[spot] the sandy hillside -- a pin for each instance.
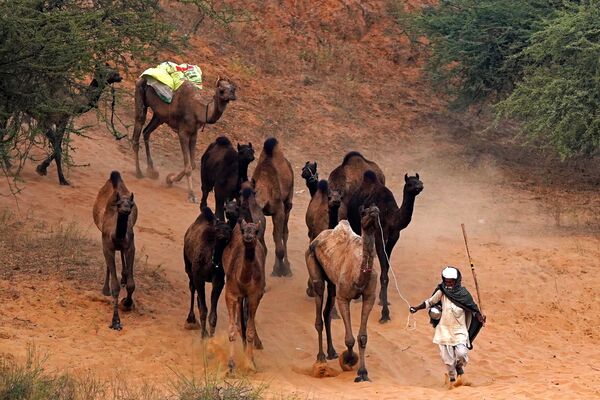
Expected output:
(537, 278)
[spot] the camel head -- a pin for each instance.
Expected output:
(124, 204)
(334, 197)
(245, 153)
(309, 172)
(232, 210)
(222, 230)
(412, 185)
(369, 218)
(107, 74)
(249, 232)
(226, 89)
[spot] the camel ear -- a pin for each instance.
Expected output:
(250, 144)
(405, 177)
(315, 164)
(131, 197)
(239, 147)
(218, 80)
(417, 175)
(243, 224)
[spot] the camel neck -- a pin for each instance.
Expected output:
(214, 110)
(122, 220)
(94, 91)
(242, 172)
(368, 255)
(249, 252)
(312, 186)
(333, 216)
(405, 212)
(218, 253)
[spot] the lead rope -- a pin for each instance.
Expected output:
(409, 326)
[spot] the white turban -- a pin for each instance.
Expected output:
(450, 273)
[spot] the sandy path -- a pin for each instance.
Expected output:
(541, 340)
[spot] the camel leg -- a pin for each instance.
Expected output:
(57, 144)
(318, 284)
(348, 358)
(286, 234)
(191, 318)
(253, 302)
(220, 198)
(202, 309)
(140, 117)
(389, 247)
(233, 311)
(329, 307)
(42, 168)
(151, 127)
(106, 287)
(115, 288)
(367, 306)
(384, 279)
(184, 141)
(206, 185)
(191, 166)
(279, 269)
(218, 282)
(129, 281)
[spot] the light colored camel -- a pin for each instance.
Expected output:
(115, 214)
(186, 114)
(344, 261)
(243, 262)
(273, 182)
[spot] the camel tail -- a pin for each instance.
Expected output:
(370, 176)
(141, 107)
(115, 178)
(208, 214)
(269, 146)
(348, 156)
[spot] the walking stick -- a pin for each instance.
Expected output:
(472, 267)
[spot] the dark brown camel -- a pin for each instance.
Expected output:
(224, 169)
(250, 211)
(344, 261)
(393, 220)
(243, 261)
(311, 176)
(115, 214)
(55, 125)
(186, 114)
(273, 181)
(203, 247)
(345, 180)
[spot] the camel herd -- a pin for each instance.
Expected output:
(351, 218)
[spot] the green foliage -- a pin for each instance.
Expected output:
(559, 97)
(473, 44)
(223, 13)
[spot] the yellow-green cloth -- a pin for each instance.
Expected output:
(173, 75)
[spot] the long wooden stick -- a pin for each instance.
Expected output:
(472, 267)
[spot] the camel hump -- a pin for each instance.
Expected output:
(350, 155)
(223, 141)
(370, 176)
(269, 146)
(115, 178)
(323, 186)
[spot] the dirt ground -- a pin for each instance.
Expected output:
(536, 247)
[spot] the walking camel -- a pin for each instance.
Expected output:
(224, 169)
(115, 214)
(186, 114)
(243, 262)
(344, 261)
(55, 125)
(345, 180)
(203, 246)
(273, 181)
(393, 220)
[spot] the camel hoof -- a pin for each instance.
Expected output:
(127, 305)
(310, 292)
(169, 179)
(42, 171)
(116, 326)
(139, 175)
(231, 366)
(332, 355)
(384, 319)
(276, 272)
(348, 360)
(258, 344)
(64, 182)
(192, 198)
(204, 334)
(362, 376)
(152, 174)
